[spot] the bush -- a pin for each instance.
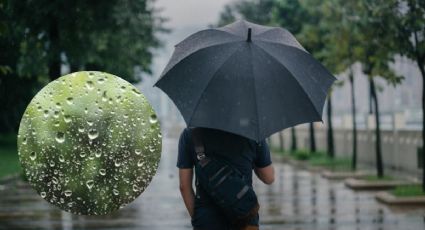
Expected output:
(408, 190)
(302, 155)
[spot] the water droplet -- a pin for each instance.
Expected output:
(137, 151)
(82, 154)
(89, 85)
(93, 134)
(98, 154)
(153, 119)
(90, 184)
(56, 114)
(43, 194)
(61, 158)
(116, 193)
(102, 172)
(60, 137)
(81, 129)
(135, 188)
(68, 193)
(70, 100)
(33, 155)
(46, 113)
(151, 148)
(140, 163)
(101, 80)
(90, 123)
(67, 118)
(104, 96)
(136, 92)
(117, 163)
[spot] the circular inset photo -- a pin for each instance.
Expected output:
(89, 143)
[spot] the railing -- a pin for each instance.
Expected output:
(399, 147)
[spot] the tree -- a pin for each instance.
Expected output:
(90, 34)
(339, 45)
(257, 11)
(373, 51)
(409, 37)
(115, 36)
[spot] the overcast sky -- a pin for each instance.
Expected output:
(184, 13)
(184, 18)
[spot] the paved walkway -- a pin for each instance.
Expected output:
(298, 200)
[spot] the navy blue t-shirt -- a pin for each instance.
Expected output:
(242, 153)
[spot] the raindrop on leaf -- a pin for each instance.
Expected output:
(93, 134)
(69, 100)
(33, 155)
(90, 184)
(60, 137)
(153, 119)
(68, 193)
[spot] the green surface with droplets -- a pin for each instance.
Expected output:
(89, 143)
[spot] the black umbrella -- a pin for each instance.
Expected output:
(245, 78)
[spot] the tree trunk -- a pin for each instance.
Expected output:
(281, 144)
(312, 138)
(54, 49)
(422, 69)
(331, 146)
(353, 115)
(293, 140)
(379, 164)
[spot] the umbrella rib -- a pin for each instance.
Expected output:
(209, 81)
(308, 96)
(167, 69)
(255, 94)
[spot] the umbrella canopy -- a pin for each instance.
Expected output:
(247, 79)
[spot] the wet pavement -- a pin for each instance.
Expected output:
(298, 200)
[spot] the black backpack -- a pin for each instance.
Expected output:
(225, 185)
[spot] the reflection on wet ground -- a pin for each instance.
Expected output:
(298, 200)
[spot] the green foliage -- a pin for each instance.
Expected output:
(408, 191)
(257, 11)
(38, 37)
(301, 154)
(408, 29)
(334, 164)
(9, 163)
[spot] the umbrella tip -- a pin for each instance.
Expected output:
(249, 35)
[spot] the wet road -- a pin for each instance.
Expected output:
(298, 200)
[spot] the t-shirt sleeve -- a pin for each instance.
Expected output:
(184, 159)
(263, 158)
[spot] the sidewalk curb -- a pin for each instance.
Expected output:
(390, 199)
(358, 184)
(344, 175)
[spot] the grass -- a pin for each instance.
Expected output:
(408, 191)
(9, 161)
(321, 159)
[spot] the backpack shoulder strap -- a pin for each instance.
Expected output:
(199, 146)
